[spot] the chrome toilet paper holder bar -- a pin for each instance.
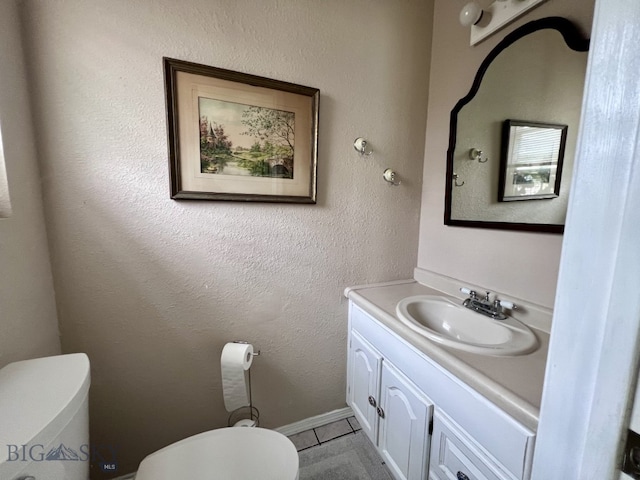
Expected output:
(255, 354)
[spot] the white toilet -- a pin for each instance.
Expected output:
(44, 418)
(44, 409)
(241, 452)
(234, 453)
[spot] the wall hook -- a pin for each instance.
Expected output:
(390, 177)
(476, 154)
(455, 180)
(362, 146)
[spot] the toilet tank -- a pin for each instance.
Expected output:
(44, 419)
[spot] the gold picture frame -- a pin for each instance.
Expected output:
(239, 137)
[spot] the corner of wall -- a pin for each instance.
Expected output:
(29, 319)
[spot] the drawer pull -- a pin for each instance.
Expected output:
(462, 476)
(380, 412)
(372, 401)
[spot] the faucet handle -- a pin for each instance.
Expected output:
(507, 304)
(468, 291)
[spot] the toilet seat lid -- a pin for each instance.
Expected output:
(235, 453)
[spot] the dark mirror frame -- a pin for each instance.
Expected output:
(574, 40)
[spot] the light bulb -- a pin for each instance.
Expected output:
(470, 14)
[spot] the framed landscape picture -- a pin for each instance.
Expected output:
(234, 136)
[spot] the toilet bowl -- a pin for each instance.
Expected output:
(237, 453)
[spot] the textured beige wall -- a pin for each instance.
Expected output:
(523, 265)
(152, 288)
(28, 322)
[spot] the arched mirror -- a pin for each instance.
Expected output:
(513, 136)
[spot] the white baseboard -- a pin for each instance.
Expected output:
(313, 422)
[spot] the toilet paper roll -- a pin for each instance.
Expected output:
(235, 361)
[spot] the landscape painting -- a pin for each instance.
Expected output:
(237, 139)
(233, 136)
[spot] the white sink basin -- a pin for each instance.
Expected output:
(445, 322)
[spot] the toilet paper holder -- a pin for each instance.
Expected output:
(235, 417)
(255, 354)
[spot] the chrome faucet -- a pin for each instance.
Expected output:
(485, 306)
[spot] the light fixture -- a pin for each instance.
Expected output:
(470, 14)
(485, 17)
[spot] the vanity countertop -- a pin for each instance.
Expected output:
(512, 383)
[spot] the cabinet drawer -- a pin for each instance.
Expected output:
(455, 456)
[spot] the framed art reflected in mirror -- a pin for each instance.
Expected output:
(531, 160)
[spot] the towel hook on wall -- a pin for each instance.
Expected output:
(362, 146)
(476, 154)
(391, 177)
(455, 180)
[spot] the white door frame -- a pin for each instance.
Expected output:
(592, 364)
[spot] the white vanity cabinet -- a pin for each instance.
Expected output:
(393, 413)
(424, 421)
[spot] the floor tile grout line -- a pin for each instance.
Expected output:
(308, 448)
(331, 423)
(352, 432)
(326, 441)
(352, 427)
(315, 444)
(335, 438)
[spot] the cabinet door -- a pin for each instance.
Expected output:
(362, 397)
(404, 426)
(455, 456)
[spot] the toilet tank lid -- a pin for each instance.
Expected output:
(39, 397)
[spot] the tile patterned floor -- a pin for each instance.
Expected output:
(339, 451)
(325, 433)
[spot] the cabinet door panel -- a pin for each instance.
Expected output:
(404, 428)
(365, 363)
(455, 456)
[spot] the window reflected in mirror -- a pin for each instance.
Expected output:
(531, 160)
